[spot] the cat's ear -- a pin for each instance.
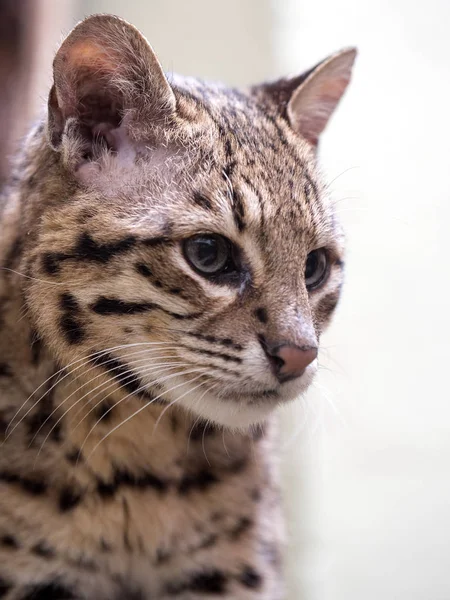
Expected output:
(105, 72)
(309, 100)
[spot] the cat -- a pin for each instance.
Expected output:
(170, 259)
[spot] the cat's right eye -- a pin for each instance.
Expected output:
(316, 268)
(211, 255)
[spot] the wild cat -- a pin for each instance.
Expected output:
(170, 259)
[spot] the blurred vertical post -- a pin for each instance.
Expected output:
(16, 41)
(30, 31)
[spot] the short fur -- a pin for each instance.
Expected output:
(138, 453)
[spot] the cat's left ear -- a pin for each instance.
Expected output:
(309, 100)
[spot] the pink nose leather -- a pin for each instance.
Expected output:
(288, 361)
(295, 359)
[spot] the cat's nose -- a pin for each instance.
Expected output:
(288, 361)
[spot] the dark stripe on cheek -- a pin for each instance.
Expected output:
(115, 306)
(88, 249)
(69, 321)
(227, 357)
(125, 377)
(228, 342)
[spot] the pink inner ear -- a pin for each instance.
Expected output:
(313, 103)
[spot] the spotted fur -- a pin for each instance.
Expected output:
(138, 457)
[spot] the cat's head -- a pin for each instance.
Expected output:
(192, 244)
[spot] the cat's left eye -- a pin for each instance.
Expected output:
(210, 255)
(316, 268)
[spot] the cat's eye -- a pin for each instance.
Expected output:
(210, 255)
(316, 268)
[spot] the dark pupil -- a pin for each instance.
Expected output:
(312, 263)
(207, 252)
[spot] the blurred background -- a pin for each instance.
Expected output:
(366, 456)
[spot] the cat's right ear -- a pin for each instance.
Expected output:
(107, 83)
(308, 100)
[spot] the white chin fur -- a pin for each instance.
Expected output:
(233, 414)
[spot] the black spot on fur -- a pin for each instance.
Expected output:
(5, 586)
(74, 456)
(9, 541)
(250, 578)
(202, 201)
(124, 478)
(69, 321)
(69, 303)
(261, 315)
(48, 591)
(34, 486)
(241, 527)
(124, 376)
(144, 270)
(51, 262)
(197, 482)
(208, 582)
(104, 411)
(5, 370)
(69, 498)
(43, 550)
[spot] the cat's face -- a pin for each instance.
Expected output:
(199, 256)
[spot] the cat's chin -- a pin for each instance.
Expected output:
(239, 411)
